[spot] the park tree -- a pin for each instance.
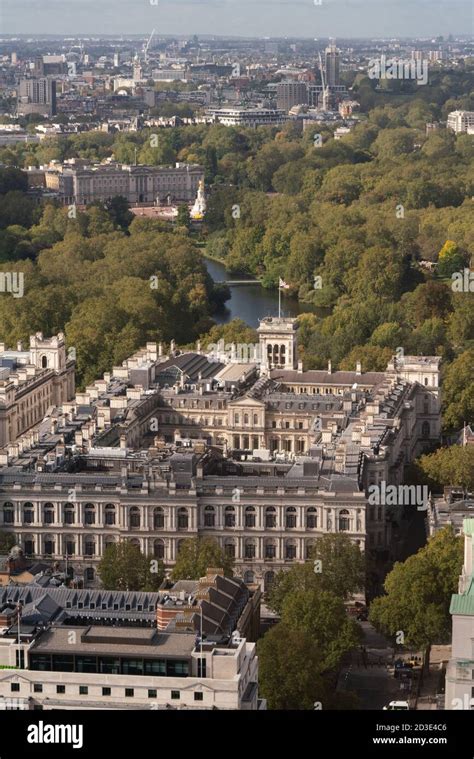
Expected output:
(290, 666)
(196, 556)
(7, 541)
(336, 566)
(450, 259)
(418, 594)
(321, 614)
(458, 390)
(449, 466)
(124, 567)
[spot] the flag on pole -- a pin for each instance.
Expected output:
(283, 285)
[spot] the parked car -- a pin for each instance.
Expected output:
(397, 706)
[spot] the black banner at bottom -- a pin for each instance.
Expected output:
(90, 733)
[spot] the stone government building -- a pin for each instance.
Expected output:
(262, 456)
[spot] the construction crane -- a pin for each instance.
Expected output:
(147, 45)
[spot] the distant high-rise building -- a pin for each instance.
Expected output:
(290, 94)
(37, 95)
(332, 65)
(116, 60)
(14, 59)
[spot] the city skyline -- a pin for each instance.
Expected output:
(246, 18)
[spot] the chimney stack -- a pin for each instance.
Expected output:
(329, 367)
(358, 368)
(300, 367)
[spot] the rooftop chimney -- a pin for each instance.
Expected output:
(300, 367)
(329, 367)
(358, 368)
(19, 345)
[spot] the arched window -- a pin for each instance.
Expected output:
(229, 549)
(246, 418)
(309, 549)
(89, 546)
(249, 577)
(311, 518)
(134, 517)
(109, 513)
(29, 544)
(229, 516)
(158, 518)
(290, 550)
(8, 513)
(70, 545)
(270, 549)
(290, 517)
(89, 513)
(270, 516)
(255, 419)
(209, 516)
(344, 521)
(268, 580)
(28, 513)
(44, 362)
(48, 513)
(69, 513)
(159, 549)
(183, 519)
(48, 546)
(250, 516)
(89, 574)
(250, 549)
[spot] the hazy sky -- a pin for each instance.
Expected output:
(251, 18)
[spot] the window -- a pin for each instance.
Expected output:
(152, 693)
(159, 549)
(229, 550)
(229, 517)
(68, 514)
(60, 689)
(48, 547)
(48, 513)
(291, 517)
(175, 695)
(250, 516)
(198, 696)
(37, 688)
(129, 692)
(89, 512)
(344, 522)
(183, 519)
(28, 515)
(89, 548)
(15, 687)
(311, 519)
(83, 690)
(158, 519)
(110, 514)
(290, 551)
(249, 550)
(209, 516)
(106, 691)
(270, 551)
(270, 517)
(134, 517)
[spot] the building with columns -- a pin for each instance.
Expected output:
(263, 458)
(31, 381)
